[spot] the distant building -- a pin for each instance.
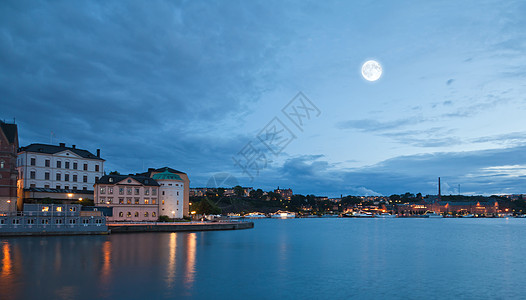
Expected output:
(8, 171)
(57, 172)
(171, 194)
(285, 194)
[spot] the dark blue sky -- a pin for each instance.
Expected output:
(189, 84)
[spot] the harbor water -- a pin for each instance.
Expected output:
(290, 259)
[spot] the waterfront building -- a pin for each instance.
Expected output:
(132, 197)
(8, 171)
(171, 194)
(57, 172)
(40, 219)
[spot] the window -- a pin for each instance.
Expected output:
(74, 178)
(177, 193)
(32, 185)
(102, 200)
(136, 200)
(96, 178)
(154, 192)
(85, 167)
(66, 187)
(58, 186)
(121, 191)
(136, 214)
(2, 221)
(163, 193)
(73, 208)
(128, 214)
(153, 201)
(47, 163)
(163, 202)
(110, 179)
(146, 191)
(66, 177)
(146, 214)
(33, 161)
(96, 168)
(129, 191)
(32, 174)
(46, 186)
(66, 165)
(103, 190)
(136, 191)
(146, 201)
(75, 165)
(85, 188)
(85, 221)
(121, 214)
(58, 176)
(153, 214)
(58, 221)
(45, 221)
(85, 178)
(30, 221)
(59, 208)
(74, 187)
(110, 200)
(46, 176)
(59, 164)
(110, 190)
(71, 221)
(177, 202)
(128, 200)
(16, 221)
(121, 200)
(45, 208)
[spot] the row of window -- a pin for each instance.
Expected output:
(57, 221)
(136, 215)
(129, 190)
(109, 200)
(67, 164)
(74, 177)
(58, 186)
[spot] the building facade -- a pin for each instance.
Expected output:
(57, 172)
(133, 198)
(8, 171)
(171, 194)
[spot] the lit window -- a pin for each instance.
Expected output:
(128, 214)
(121, 200)
(146, 214)
(146, 201)
(110, 200)
(153, 201)
(163, 202)
(45, 208)
(136, 214)
(121, 214)
(128, 200)
(59, 208)
(136, 200)
(153, 214)
(146, 191)
(102, 200)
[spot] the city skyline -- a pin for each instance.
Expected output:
(189, 85)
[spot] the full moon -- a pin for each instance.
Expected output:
(371, 70)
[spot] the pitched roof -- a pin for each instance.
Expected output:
(10, 131)
(117, 178)
(52, 149)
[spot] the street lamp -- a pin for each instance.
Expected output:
(173, 215)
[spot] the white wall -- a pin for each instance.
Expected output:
(172, 192)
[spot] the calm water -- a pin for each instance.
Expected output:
(298, 258)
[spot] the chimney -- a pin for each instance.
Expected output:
(73, 146)
(98, 152)
(62, 145)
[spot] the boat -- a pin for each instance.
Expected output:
(362, 214)
(432, 214)
(283, 215)
(385, 215)
(468, 216)
(255, 216)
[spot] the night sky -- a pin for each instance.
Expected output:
(199, 85)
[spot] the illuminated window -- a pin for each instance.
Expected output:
(136, 214)
(177, 202)
(146, 191)
(59, 208)
(146, 214)
(121, 200)
(128, 214)
(146, 201)
(102, 199)
(128, 200)
(136, 200)
(110, 200)
(121, 214)
(45, 208)
(153, 214)
(163, 202)
(153, 201)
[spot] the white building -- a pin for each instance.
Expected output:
(57, 172)
(171, 194)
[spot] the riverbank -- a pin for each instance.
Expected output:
(177, 227)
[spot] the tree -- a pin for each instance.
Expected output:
(206, 207)
(239, 191)
(115, 173)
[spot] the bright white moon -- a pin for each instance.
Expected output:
(371, 70)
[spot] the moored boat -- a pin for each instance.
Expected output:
(255, 215)
(283, 215)
(385, 215)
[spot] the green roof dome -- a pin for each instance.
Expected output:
(166, 175)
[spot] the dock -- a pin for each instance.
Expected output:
(177, 227)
